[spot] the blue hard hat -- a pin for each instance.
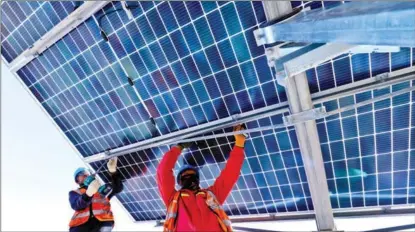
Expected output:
(185, 168)
(79, 171)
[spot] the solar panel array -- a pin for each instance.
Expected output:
(196, 62)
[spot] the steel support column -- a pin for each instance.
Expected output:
(299, 100)
(360, 23)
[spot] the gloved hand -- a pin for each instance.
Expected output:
(89, 180)
(184, 145)
(239, 138)
(105, 190)
(92, 188)
(112, 165)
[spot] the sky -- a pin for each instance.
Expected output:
(37, 165)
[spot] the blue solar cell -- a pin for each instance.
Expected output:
(383, 119)
(148, 60)
(179, 43)
(179, 73)
(159, 81)
(154, 17)
(380, 63)
(168, 17)
(352, 148)
(208, 6)
(180, 12)
(256, 96)
(227, 54)
(334, 130)
(118, 47)
(191, 68)
(259, 11)
(59, 9)
(236, 79)
(229, 15)
(349, 127)
(400, 140)
(217, 26)
(190, 35)
(203, 32)
(168, 48)
(201, 91)
(232, 104)
(246, 12)
(400, 117)
(337, 150)
(147, 5)
(145, 29)
(194, 8)
(342, 71)
(244, 101)
(190, 95)
(263, 71)
(240, 47)
(401, 59)
(158, 54)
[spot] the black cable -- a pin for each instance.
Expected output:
(103, 34)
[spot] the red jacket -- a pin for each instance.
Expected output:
(193, 213)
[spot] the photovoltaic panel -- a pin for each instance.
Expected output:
(179, 80)
(197, 62)
(23, 23)
(368, 152)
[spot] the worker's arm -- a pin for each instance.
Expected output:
(79, 202)
(230, 174)
(116, 183)
(165, 176)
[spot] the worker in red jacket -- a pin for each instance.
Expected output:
(192, 208)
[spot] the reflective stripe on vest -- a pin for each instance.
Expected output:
(171, 215)
(79, 215)
(97, 212)
(100, 200)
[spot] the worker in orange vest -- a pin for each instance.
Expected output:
(91, 201)
(192, 208)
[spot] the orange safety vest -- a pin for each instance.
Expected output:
(101, 210)
(211, 201)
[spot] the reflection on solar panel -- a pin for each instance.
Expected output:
(23, 23)
(197, 62)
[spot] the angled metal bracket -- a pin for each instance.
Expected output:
(367, 23)
(304, 116)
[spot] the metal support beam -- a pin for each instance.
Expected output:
(56, 33)
(359, 23)
(299, 100)
(312, 55)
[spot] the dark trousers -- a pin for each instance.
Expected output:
(93, 225)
